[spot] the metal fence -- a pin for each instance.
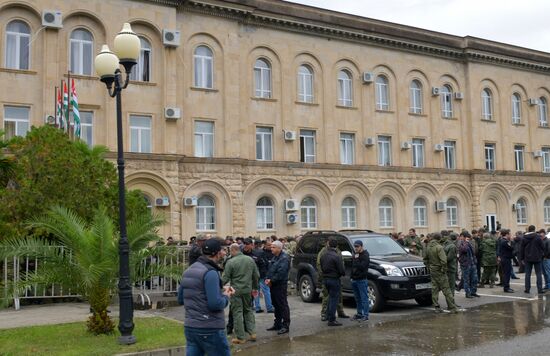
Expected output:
(177, 257)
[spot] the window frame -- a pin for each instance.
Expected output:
(264, 209)
(382, 91)
(141, 130)
(415, 97)
(382, 144)
(17, 37)
(418, 153)
(205, 208)
(542, 112)
(349, 213)
(347, 148)
(446, 95)
(546, 209)
(307, 212)
(303, 79)
(516, 109)
(205, 138)
(206, 64)
(487, 105)
(138, 73)
(385, 213)
(450, 210)
(78, 68)
(261, 137)
(490, 156)
(521, 211)
(519, 158)
(16, 121)
(449, 148)
(260, 90)
(305, 136)
(545, 159)
(345, 88)
(420, 212)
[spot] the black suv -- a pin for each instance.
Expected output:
(393, 274)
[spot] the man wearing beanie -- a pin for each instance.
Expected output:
(201, 293)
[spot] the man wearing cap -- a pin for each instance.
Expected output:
(468, 263)
(332, 268)
(277, 280)
(359, 270)
(201, 293)
(242, 274)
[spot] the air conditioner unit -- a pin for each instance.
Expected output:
(533, 101)
(290, 135)
(162, 201)
(369, 141)
(440, 206)
(49, 119)
(291, 204)
(171, 38)
(52, 19)
(291, 218)
(190, 201)
(537, 154)
(439, 147)
(172, 113)
(436, 91)
(406, 145)
(368, 77)
(459, 95)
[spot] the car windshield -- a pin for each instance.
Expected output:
(381, 246)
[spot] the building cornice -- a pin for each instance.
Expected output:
(330, 24)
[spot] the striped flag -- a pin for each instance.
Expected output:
(76, 113)
(59, 111)
(66, 106)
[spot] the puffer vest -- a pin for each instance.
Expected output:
(197, 314)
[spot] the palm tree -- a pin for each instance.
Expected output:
(7, 164)
(84, 257)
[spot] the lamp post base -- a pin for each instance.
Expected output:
(127, 340)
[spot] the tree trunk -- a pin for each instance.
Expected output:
(99, 322)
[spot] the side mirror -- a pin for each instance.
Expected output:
(346, 254)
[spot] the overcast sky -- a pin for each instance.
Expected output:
(523, 23)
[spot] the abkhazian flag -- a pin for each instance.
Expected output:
(59, 111)
(76, 113)
(66, 106)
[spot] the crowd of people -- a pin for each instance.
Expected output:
(240, 272)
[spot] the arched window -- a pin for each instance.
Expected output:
(349, 207)
(82, 44)
(382, 93)
(420, 213)
(203, 61)
(264, 214)
(385, 212)
(18, 36)
(415, 97)
(305, 84)
(516, 108)
(543, 112)
(452, 212)
(262, 79)
(142, 71)
(521, 211)
(486, 104)
(206, 214)
(308, 209)
(446, 101)
(345, 88)
(547, 211)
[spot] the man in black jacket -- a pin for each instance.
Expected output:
(332, 269)
(531, 252)
(196, 249)
(359, 269)
(506, 253)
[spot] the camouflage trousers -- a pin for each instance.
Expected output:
(324, 296)
(440, 283)
(489, 275)
(451, 276)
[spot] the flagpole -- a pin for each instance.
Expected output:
(61, 111)
(55, 106)
(69, 103)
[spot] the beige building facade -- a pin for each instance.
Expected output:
(240, 109)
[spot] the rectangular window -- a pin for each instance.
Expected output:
(417, 152)
(490, 156)
(16, 121)
(307, 146)
(347, 148)
(140, 133)
(518, 155)
(546, 159)
(450, 154)
(264, 139)
(204, 139)
(17, 49)
(384, 150)
(86, 126)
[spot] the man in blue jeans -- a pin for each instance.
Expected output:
(359, 270)
(200, 292)
(546, 259)
(332, 268)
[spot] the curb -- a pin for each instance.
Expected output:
(171, 351)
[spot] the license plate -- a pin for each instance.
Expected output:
(423, 286)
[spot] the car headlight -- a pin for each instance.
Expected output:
(392, 270)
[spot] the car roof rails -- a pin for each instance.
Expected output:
(356, 230)
(319, 232)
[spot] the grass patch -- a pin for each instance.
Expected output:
(73, 339)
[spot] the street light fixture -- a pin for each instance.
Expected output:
(107, 64)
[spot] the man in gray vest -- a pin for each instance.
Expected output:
(201, 293)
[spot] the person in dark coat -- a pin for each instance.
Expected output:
(506, 253)
(332, 268)
(277, 280)
(531, 253)
(359, 271)
(196, 248)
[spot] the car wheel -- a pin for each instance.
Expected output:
(424, 301)
(376, 299)
(306, 289)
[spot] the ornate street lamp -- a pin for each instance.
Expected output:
(107, 65)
